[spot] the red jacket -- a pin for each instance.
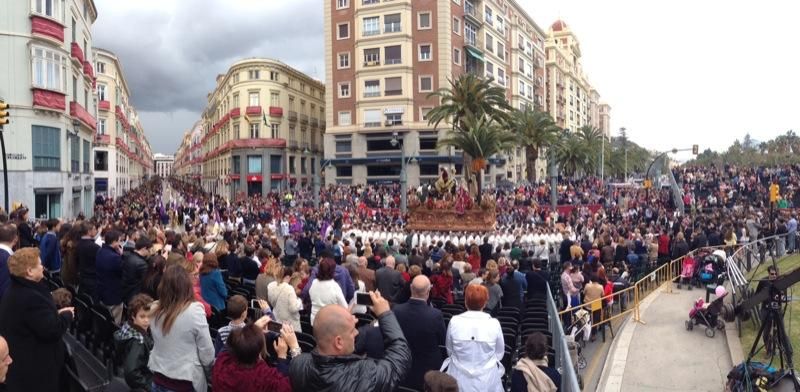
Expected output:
(229, 376)
(663, 244)
(442, 287)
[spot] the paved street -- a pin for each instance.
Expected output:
(662, 355)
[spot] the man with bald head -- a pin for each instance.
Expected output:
(365, 274)
(423, 327)
(389, 281)
(5, 359)
(332, 366)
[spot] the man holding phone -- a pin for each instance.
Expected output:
(333, 366)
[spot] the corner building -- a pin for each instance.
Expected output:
(383, 58)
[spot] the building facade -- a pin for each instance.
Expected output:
(163, 164)
(188, 160)
(122, 153)
(262, 131)
(383, 59)
(47, 77)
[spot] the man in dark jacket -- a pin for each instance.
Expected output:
(87, 254)
(133, 344)
(423, 327)
(389, 281)
(486, 251)
(537, 281)
(332, 365)
(109, 274)
(134, 266)
(8, 238)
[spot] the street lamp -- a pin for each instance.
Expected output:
(398, 141)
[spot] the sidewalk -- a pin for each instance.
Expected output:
(662, 355)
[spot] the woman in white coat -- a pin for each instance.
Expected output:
(475, 345)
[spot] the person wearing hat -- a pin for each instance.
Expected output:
(134, 266)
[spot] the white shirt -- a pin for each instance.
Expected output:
(324, 292)
(7, 249)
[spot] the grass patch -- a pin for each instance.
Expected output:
(791, 319)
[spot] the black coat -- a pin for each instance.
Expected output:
(390, 283)
(249, 268)
(33, 328)
(423, 327)
(315, 372)
(134, 266)
(109, 276)
(87, 272)
(26, 239)
(511, 292)
(133, 356)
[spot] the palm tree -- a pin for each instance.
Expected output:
(535, 130)
(479, 138)
(571, 153)
(592, 139)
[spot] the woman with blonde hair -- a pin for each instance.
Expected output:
(283, 297)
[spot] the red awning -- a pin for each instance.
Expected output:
(254, 178)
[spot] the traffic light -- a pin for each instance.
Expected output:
(695, 149)
(774, 190)
(3, 113)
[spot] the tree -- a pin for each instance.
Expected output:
(535, 130)
(469, 95)
(570, 153)
(479, 138)
(592, 138)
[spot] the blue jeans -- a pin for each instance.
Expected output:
(791, 239)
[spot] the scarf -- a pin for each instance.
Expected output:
(537, 380)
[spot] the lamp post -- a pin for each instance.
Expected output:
(398, 141)
(603, 158)
(316, 179)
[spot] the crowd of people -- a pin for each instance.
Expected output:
(168, 261)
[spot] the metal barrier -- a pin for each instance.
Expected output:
(564, 362)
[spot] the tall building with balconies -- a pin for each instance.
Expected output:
(163, 164)
(46, 75)
(571, 100)
(122, 153)
(263, 129)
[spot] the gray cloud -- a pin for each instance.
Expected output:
(171, 51)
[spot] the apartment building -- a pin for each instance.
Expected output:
(571, 99)
(163, 164)
(263, 130)
(383, 59)
(188, 164)
(47, 78)
(122, 153)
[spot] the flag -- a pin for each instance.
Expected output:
(266, 123)
(247, 120)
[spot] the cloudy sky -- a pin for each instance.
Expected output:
(675, 73)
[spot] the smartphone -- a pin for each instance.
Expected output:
(254, 304)
(274, 326)
(363, 299)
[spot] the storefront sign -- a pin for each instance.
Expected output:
(16, 156)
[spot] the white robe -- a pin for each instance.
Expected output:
(475, 346)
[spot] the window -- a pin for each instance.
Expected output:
(345, 118)
(423, 20)
(342, 4)
(489, 70)
(46, 143)
(236, 163)
(488, 15)
(48, 205)
(253, 164)
(501, 76)
(236, 131)
(273, 76)
(100, 67)
(383, 170)
(343, 31)
(254, 128)
(394, 86)
(372, 118)
(394, 119)
(424, 113)
(429, 170)
(344, 60)
(521, 65)
(274, 98)
(393, 54)
(254, 99)
(457, 56)
(457, 25)
(425, 83)
(372, 26)
(275, 130)
(101, 126)
(74, 153)
(101, 92)
(101, 160)
(275, 164)
(86, 150)
(372, 88)
(470, 34)
(501, 51)
(313, 166)
(291, 165)
(500, 22)
(253, 74)
(425, 52)
(489, 42)
(344, 90)
(344, 171)
(236, 77)
(49, 8)
(391, 23)
(521, 88)
(49, 69)
(303, 165)
(343, 146)
(369, 2)
(372, 56)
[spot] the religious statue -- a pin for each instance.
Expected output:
(446, 183)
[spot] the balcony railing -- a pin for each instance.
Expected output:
(104, 105)
(253, 110)
(292, 115)
(76, 52)
(47, 28)
(77, 111)
(391, 28)
(275, 111)
(471, 12)
(303, 118)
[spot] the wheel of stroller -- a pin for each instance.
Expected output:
(689, 325)
(728, 313)
(710, 332)
(720, 325)
(695, 321)
(689, 286)
(581, 362)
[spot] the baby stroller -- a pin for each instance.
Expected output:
(710, 268)
(580, 331)
(708, 315)
(687, 272)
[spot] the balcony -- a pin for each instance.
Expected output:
(275, 111)
(314, 122)
(303, 118)
(77, 111)
(253, 111)
(104, 105)
(292, 115)
(292, 144)
(471, 13)
(49, 99)
(102, 139)
(77, 52)
(88, 70)
(322, 125)
(47, 28)
(235, 112)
